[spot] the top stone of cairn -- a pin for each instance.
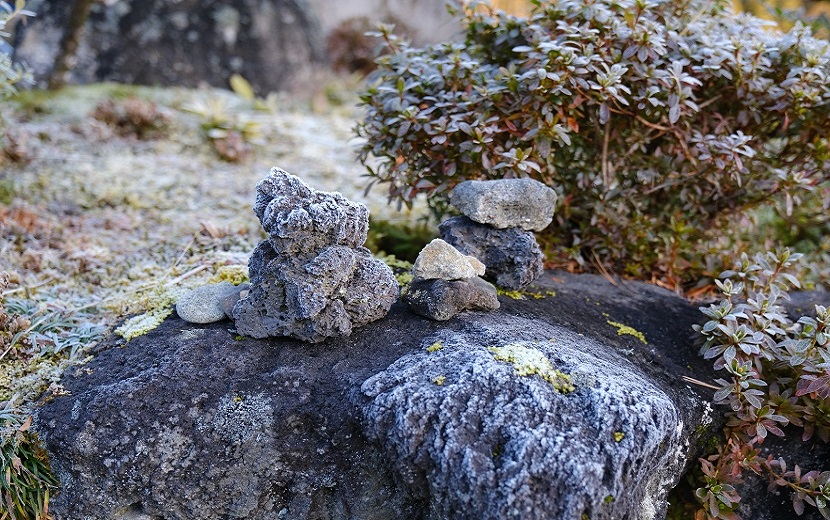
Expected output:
(298, 218)
(506, 203)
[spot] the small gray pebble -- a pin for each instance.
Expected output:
(202, 304)
(229, 300)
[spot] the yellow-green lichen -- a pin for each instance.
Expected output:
(439, 380)
(235, 274)
(401, 268)
(623, 329)
(142, 324)
(523, 295)
(435, 347)
(514, 294)
(619, 436)
(529, 361)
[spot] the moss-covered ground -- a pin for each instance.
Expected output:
(101, 221)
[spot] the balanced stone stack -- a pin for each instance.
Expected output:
(497, 228)
(312, 278)
(446, 282)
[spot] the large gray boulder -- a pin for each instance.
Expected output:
(312, 278)
(406, 418)
(276, 45)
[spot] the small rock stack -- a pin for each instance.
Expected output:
(447, 282)
(312, 278)
(494, 239)
(500, 217)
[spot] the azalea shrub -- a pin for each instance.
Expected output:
(657, 122)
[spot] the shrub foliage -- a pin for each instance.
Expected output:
(655, 120)
(776, 373)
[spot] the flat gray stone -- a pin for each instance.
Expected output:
(440, 260)
(506, 203)
(442, 300)
(512, 256)
(203, 304)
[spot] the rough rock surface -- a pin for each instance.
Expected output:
(204, 304)
(439, 260)
(512, 256)
(312, 278)
(274, 44)
(441, 300)
(189, 423)
(300, 219)
(506, 203)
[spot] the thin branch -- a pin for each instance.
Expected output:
(697, 382)
(187, 275)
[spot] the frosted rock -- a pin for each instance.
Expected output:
(512, 256)
(506, 203)
(203, 304)
(440, 260)
(312, 278)
(298, 218)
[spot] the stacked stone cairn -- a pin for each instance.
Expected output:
(499, 219)
(493, 239)
(311, 278)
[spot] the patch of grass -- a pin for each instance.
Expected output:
(26, 481)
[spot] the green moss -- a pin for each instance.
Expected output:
(623, 330)
(516, 295)
(142, 324)
(401, 268)
(235, 274)
(529, 361)
(435, 347)
(8, 191)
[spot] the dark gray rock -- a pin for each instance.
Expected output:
(441, 300)
(228, 301)
(312, 279)
(506, 203)
(204, 304)
(276, 45)
(328, 295)
(192, 423)
(189, 423)
(512, 256)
